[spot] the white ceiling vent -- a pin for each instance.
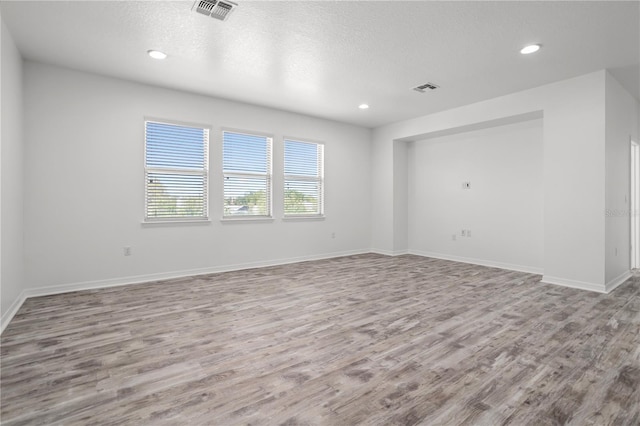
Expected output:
(215, 8)
(424, 87)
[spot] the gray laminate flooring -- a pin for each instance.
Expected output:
(365, 339)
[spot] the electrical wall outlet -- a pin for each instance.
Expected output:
(463, 233)
(127, 251)
(466, 185)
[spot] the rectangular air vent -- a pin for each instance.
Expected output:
(205, 7)
(218, 9)
(424, 87)
(222, 10)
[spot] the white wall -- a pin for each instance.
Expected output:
(84, 184)
(11, 187)
(400, 193)
(503, 208)
(382, 196)
(83, 188)
(574, 170)
(621, 125)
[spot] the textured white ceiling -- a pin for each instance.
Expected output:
(325, 58)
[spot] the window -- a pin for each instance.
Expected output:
(176, 171)
(303, 178)
(246, 164)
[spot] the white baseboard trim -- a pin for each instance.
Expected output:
(139, 279)
(581, 285)
(12, 311)
(617, 281)
(389, 252)
(481, 262)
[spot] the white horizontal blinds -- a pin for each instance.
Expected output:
(176, 171)
(246, 164)
(303, 178)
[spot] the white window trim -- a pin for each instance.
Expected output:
(175, 222)
(298, 218)
(146, 221)
(247, 219)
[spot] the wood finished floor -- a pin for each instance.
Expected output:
(365, 339)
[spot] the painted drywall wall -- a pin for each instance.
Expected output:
(621, 125)
(503, 208)
(84, 184)
(400, 191)
(573, 158)
(11, 186)
(574, 184)
(382, 198)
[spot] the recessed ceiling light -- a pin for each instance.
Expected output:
(363, 106)
(156, 54)
(530, 49)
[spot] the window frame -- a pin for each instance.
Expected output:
(268, 176)
(318, 179)
(205, 172)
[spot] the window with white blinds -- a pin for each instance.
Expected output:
(303, 178)
(176, 171)
(246, 164)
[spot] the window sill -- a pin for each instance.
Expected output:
(162, 223)
(259, 219)
(303, 218)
